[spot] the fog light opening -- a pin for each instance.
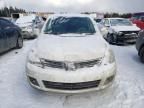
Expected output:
(33, 81)
(109, 80)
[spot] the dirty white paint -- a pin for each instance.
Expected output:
(126, 92)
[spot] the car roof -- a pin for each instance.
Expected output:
(69, 15)
(3, 19)
(115, 18)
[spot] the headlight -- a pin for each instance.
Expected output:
(109, 57)
(120, 33)
(117, 32)
(34, 59)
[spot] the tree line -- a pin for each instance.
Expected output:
(7, 11)
(125, 15)
(110, 15)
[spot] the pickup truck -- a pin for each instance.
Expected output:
(138, 19)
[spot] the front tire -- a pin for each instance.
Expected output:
(19, 42)
(141, 52)
(110, 38)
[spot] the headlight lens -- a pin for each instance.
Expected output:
(34, 59)
(120, 33)
(109, 57)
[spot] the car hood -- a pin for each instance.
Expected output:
(70, 48)
(125, 28)
(22, 25)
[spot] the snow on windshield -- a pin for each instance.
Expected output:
(25, 19)
(63, 25)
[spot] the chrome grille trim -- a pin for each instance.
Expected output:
(77, 65)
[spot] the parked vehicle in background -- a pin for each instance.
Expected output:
(98, 20)
(31, 25)
(138, 19)
(7, 18)
(97, 16)
(15, 16)
(140, 45)
(119, 31)
(10, 36)
(70, 56)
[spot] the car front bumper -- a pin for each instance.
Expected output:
(29, 33)
(127, 38)
(81, 80)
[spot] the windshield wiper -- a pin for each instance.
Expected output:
(54, 33)
(57, 33)
(86, 33)
(89, 33)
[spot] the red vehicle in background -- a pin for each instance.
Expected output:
(138, 19)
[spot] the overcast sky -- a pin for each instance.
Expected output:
(78, 5)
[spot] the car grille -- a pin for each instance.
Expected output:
(68, 65)
(130, 32)
(71, 86)
(128, 36)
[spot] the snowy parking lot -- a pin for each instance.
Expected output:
(126, 92)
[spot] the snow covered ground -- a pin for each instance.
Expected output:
(126, 92)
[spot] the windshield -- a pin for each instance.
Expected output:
(120, 22)
(63, 25)
(25, 19)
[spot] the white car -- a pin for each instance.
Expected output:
(30, 25)
(70, 56)
(119, 30)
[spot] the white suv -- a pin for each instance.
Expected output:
(70, 56)
(119, 30)
(30, 25)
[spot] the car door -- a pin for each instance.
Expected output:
(3, 38)
(13, 38)
(10, 32)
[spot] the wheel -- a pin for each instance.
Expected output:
(141, 53)
(19, 42)
(110, 38)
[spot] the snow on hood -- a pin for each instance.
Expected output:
(24, 25)
(70, 48)
(25, 21)
(125, 28)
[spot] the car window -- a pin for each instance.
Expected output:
(98, 20)
(102, 22)
(135, 18)
(142, 18)
(120, 22)
(106, 22)
(5, 23)
(63, 25)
